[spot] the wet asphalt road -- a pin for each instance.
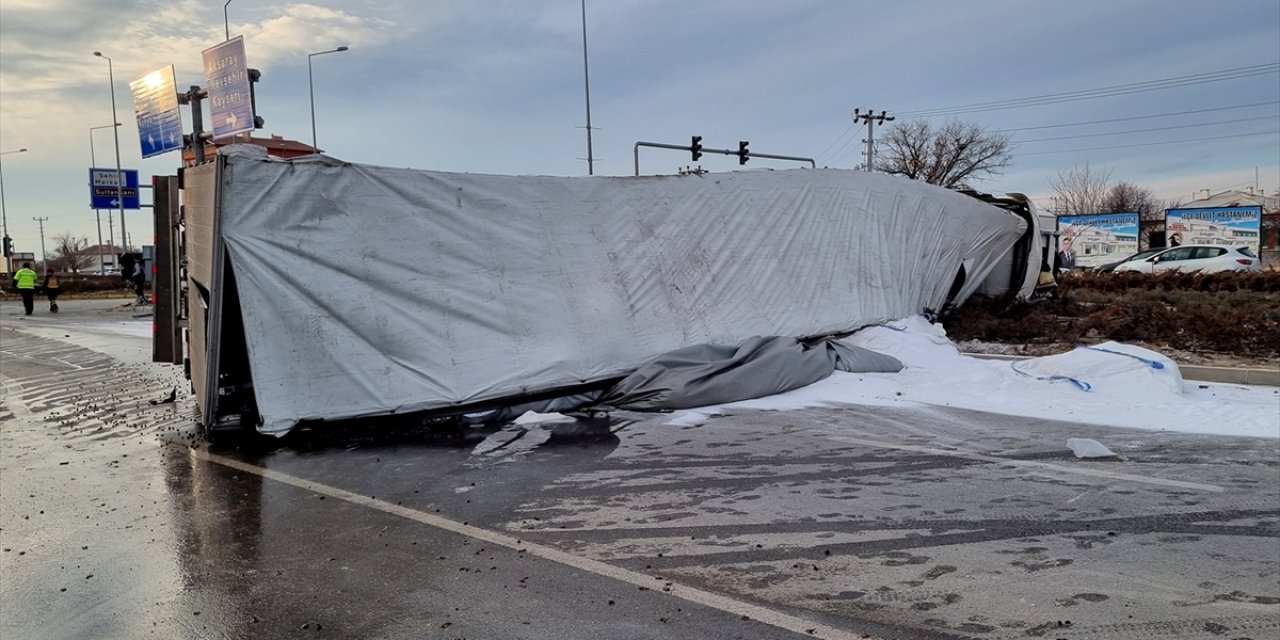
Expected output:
(118, 521)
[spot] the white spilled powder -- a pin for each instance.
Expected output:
(533, 417)
(1088, 448)
(1111, 384)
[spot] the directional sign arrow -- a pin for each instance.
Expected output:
(115, 202)
(231, 118)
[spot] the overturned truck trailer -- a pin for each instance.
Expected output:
(318, 290)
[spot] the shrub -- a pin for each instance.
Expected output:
(1232, 313)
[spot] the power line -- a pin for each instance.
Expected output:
(1152, 144)
(837, 159)
(1153, 115)
(1179, 126)
(1123, 89)
(1102, 92)
(833, 142)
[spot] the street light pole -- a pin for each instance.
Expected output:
(93, 162)
(311, 84)
(225, 24)
(116, 132)
(586, 81)
(4, 217)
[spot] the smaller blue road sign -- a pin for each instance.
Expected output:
(155, 103)
(105, 189)
(226, 76)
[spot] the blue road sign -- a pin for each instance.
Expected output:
(105, 190)
(226, 77)
(155, 103)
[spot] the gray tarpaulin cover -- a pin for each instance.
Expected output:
(713, 374)
(370, 290)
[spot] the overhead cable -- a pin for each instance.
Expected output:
(1152, 144)
(1102, 92)
(1275, 118)
(1145, 117)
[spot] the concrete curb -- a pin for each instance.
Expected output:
(1226, 375)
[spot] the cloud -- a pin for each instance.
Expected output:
(48, 87)
(300, 29)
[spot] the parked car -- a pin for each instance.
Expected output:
(111, 271)
(1206, 258)
(1111, 266)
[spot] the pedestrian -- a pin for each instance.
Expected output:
(24, 280)
(51, 289)
(139, 283)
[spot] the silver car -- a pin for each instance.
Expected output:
(1205, 258)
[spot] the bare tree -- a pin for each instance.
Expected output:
(1081, 190)
(1126, 197)
(949, 156)
(68, 253)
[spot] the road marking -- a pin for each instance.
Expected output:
(1033, 464)
(724, 603)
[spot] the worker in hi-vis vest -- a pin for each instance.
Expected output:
(24, 280)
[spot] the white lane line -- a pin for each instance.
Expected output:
(1032, 464)
(724, 603)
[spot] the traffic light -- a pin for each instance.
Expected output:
(695, 148)
(744, 154)
(8, 246)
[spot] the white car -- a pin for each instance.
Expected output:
(1206, 258)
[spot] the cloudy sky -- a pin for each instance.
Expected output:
(496, 86)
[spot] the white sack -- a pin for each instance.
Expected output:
(1112, 368)
(370, 290)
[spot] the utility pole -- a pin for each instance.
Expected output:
(44, 262)
(871, 119)
(586, 81)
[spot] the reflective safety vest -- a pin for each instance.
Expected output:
(26, 278)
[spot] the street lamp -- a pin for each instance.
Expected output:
(311, 84)
(93, 162)
(225, 24)
(116, 132)
(4, 217)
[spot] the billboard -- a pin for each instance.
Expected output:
(1226, 226)
(1093, 240)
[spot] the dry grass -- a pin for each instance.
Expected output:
(1226, 313)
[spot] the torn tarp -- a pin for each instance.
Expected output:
(710, 374)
